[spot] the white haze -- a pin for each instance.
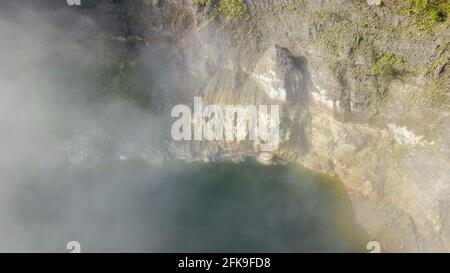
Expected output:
(48, 102)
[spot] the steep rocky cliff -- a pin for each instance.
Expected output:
(364, 92)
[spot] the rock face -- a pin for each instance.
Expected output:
(374, 2)
(354, 103)
(364, 93)
(277, 75)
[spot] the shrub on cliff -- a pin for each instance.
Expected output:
(437, 16)
(420, 6)
(384, 66)
(233, 8)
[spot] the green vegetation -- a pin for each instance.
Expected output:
(429, 12)
(384, 66)
(437, 16)
(390, 64)
(233, 8)
(420, 6)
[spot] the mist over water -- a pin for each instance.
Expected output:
(188, 207)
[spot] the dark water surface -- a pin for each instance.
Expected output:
(188, 207)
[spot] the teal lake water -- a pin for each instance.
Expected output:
(184, 207)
